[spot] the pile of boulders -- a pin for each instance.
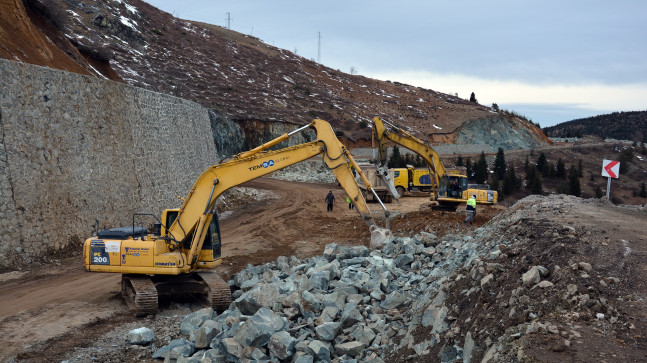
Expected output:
(421, 298)
(350, 303)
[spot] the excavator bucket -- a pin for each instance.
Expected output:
(379, 236)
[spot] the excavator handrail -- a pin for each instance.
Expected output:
(193, 214)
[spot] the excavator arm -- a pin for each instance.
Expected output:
(174, 262)
(195, 213)
(382, 135)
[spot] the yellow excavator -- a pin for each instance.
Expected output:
(449, 187)
(185, 246)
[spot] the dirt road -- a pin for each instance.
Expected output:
(48, 311)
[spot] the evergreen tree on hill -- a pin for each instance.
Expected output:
(574, 187)
(481, 170)
(499, 164)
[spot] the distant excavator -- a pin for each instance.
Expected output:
(179, 256)
(448, 187)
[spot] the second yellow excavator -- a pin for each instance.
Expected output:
(178, 258)
(448, 187)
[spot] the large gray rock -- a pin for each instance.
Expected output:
(393, 300)
(319, 280)
(351, 316)
(534, 275)
(350, 348)
(427, 239)
(258, 329)
(435, 316)
(320, 350)
(231, 349)
(330, 251)
(195, 319)
(140, 336)
(161, 353)
(282, 345)
(363, 334)
(328, 315)
(404, 260)
(203, 335)
(328, 331)
(261, 295)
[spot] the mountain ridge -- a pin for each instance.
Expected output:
(236, 74)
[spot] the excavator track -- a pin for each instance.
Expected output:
(219, 295)
(139, 293)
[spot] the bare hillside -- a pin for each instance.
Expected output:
(251, 82)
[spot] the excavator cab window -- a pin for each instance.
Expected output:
(442, 188)
(452, 186)
(213, 237)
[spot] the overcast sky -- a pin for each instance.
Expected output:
(551, 61)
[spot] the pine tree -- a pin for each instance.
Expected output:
(625, 157)
(459, 161)
(510, 181)
(395, 160)
(643, 192)
(549, 170)
(598, 192)
(580, 168)
(468, 168)
(481, 170)
(541, 162)
(473, 98)
(494, 184)
(560, 170)
(536, 186)
(574, 183)
(499, 164)
(530, 173)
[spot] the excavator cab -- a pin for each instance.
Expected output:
(452, 186)
(212, 245)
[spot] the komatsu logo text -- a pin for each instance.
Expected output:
(164, 263)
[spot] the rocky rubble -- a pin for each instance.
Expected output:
(350, 303)
(528, 278)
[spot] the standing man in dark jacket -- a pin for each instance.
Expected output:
(330, 199)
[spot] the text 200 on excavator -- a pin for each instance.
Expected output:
(179, 257)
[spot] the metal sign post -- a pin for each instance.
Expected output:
(610, 169)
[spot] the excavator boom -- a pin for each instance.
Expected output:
(179, 258)
(258, 162)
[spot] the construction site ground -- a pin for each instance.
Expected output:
(57, 311)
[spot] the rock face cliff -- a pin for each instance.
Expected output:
(256, 85)
(74, 148)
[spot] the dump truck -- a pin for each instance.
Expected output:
(381, 180)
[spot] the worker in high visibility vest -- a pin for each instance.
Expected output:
(471, 209)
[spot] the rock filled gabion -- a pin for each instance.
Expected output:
(350, 303)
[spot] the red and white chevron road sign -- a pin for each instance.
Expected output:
(610, 168)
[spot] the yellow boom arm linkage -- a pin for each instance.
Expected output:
(383, 135)
(195, 213)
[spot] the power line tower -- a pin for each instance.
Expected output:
(228, 31)
(319, 48)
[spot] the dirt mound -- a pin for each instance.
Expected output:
(566, 284)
